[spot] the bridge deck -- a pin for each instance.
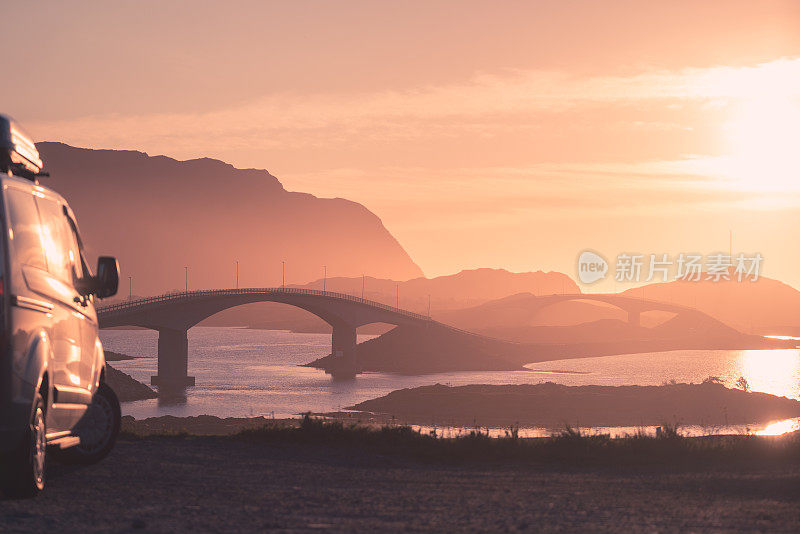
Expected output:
(190, 295)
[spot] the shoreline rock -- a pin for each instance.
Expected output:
(200, 425)
(126, 387)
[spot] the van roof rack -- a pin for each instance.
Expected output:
(18, 153)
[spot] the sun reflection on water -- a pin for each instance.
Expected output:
(780, 427)
(772, 371)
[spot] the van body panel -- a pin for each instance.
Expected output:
(51, 328)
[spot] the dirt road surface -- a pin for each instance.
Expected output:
(168, 484)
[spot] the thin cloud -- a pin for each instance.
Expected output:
(487, 101)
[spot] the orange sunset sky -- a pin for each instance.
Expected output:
(484, 134)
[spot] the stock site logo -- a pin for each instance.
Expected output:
(591, 267)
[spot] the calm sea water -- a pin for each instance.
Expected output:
(242, 372)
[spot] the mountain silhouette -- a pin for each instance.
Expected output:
(159, 215)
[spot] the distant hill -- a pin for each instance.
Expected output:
(158, 215)
(464, 289)
(766, 306)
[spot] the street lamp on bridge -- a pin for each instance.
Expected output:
(283, 274)
(186, 279)
(237, 274)
(324, 276)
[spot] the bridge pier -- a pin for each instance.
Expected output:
(173, 360)
(344, 352)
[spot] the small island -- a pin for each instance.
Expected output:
(552, 405)
(419, 350)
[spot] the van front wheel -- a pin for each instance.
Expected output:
(23, 475)
(97, 429)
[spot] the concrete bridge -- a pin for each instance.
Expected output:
(173, 314)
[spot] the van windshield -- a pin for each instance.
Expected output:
(25, 232)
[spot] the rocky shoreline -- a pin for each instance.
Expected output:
(201, 425)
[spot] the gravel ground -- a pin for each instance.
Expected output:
(225, 485)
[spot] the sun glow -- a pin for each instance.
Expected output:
(762, 139)
(759, 132)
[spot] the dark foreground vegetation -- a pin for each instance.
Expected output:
(309, 475)
(569, 447)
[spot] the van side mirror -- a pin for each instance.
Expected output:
(106, 281)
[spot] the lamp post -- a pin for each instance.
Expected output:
(186, 279)
(324, 276)
(362, 286)
(429, 308)
(397, 296)
(130, 288)
(283, 274)
(237, 274)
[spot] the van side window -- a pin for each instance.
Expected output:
(60, 244)
(81, 268)
(25, 228)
